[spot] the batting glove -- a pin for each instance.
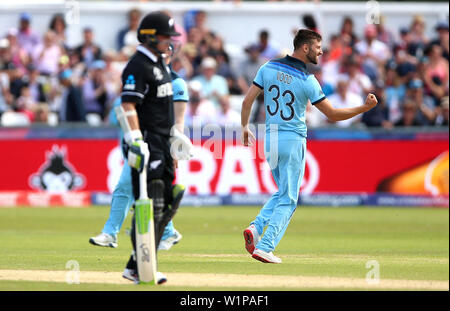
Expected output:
(180, 146)
(138, 155)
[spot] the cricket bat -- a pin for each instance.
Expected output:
(145, 233)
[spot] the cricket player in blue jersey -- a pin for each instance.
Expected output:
(123, 198)
(287, 88)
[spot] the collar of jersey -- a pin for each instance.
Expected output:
(296, 61)
(148, 53)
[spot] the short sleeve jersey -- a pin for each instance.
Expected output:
(147, 82)
(287, 87)
(180, 90)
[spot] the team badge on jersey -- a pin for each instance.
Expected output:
(130, 83)
(57, 175)
(157, 73)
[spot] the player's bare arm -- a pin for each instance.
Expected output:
(250, 97)
(179, 111)
(340, 114)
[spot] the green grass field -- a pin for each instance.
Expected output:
(411, 246)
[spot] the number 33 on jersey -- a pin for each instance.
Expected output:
(287, 86)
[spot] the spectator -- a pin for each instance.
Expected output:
(224, 70)
(20, 57)
(28, 39)
(11, 74)
(213, 85)
(200, 111)
(330, 69)
(347, 32)
(47, 55)
(36, 87)
(25, 103)
(249, 67)
(72, 108)
(436, 74)
(375, 52)
(310, 22)
(58, 26)
(425, 104)
(409, 115)
(226, 115)
(395, 91)
(418, 40)
(200, 23)
(96, 93)
(404, 63)
(378, 116)
(443, 113)
(6, 99)
(343, 98)
(383, 34)
(128, 35)
(268, 49)
(337, 49)
(443, 38)
(41, 113)
(189, 19)
(182, 65)
(358, 82)
(404, 40)
(88, 51)
(112, 73)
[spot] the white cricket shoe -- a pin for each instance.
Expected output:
(170, 241)
(160, 278)
(265, 257)
(104, 239)
(130, 274)
(251, 237)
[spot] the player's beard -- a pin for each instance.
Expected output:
(312, 57)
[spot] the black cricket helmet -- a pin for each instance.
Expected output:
(156, 23)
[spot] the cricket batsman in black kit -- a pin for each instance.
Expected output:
(147, 118)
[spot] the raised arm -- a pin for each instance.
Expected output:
(339, 114)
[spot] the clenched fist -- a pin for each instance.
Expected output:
(371, 101)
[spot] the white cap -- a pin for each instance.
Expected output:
(209, 62)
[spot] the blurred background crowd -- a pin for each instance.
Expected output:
(43, 80)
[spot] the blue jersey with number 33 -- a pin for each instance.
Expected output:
(287, 87)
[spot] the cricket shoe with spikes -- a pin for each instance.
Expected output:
(130, 274)
(170, 241)
(265, 256)
(251, 238)
(104, 239)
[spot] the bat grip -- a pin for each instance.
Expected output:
(143, 183)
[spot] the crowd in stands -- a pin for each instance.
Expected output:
(47, 81)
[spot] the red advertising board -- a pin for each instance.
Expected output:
(56, 166)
